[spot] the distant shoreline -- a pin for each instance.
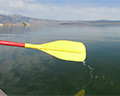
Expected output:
(18, 20)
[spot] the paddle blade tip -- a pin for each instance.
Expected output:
(80, 93)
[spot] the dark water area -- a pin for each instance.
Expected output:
(33, 72)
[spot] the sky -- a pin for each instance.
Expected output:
(63, 9)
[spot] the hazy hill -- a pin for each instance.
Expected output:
(105, 21)
(16, 18)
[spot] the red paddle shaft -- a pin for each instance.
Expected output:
(10, 43)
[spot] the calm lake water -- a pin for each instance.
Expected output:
(33, 72)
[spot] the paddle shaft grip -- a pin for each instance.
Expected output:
(10, 43)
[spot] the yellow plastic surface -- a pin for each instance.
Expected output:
(62, 49)
(80, 93)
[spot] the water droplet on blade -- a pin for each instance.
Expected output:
(84, 63)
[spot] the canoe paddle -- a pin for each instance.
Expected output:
(62, 49)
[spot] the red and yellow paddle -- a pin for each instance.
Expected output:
(62, 49)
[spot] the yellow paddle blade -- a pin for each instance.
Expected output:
(80, 93)
(63, 49)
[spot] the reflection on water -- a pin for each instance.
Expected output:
(33, 72)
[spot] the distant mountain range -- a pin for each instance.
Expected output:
(105, 21)
(17, 18)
